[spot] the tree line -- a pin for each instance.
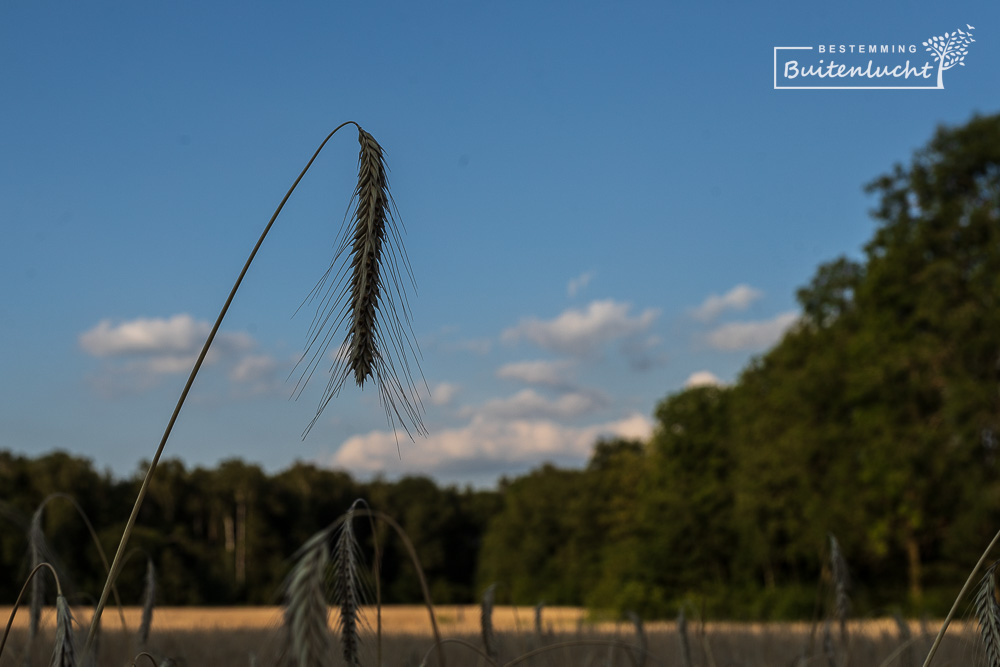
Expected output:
(227, 535)
(874, 419)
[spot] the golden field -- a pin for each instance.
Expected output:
(451, 619)
(396, 619)
(251, 635)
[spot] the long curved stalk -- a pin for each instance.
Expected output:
(961, 596)
(416, 566)
(97, 544)
(20, 596)
(117, 563)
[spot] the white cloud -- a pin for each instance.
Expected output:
(178, 335)
(254, 367)
(702, 379)
(164, 365)
(485, 444)
(738, 298)
(547, 373)
(581, 332)
(751, 335)
(529, 404)
(138, 353)
(258, 372)
(443, 393)
(578, 283)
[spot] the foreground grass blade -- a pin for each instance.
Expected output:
(373, 200)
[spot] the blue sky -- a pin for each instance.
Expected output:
(603, 202)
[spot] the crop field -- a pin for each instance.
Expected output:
(251, 635)
(397, 619)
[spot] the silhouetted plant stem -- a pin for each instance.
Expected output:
(119, 555)
(958, 600)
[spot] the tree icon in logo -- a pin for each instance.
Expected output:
(949, 50)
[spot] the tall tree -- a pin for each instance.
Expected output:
(927, 354)
(531, 550)
(685, 508)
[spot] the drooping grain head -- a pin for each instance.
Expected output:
(63, 653)
(828, 650)
(841, 586)
(148, 601)
(307, 637)
(39, 554)
(988, 615)
(640, 635)
(348, 590)
(367, 300)
(486, 622)
(906, 656)
(370, 217)
(683, 636)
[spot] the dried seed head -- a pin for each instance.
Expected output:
(348, 589)
(366, 299)
(63, 653)
(39, 553)
(683, 634)
(148, 601)
(841, 584)
(486, 622)
(307, 639)
(988, 614)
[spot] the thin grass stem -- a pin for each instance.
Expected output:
(958, 600)
(119, 555)
(425, 589)
(97, 545)
(20, 596)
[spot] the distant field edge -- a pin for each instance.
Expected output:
(413, 620)
(396, 619)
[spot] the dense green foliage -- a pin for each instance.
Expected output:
(874, 419)
(226, 536)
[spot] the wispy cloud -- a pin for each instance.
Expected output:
(738, 298)
(578, 283)
(548, 373)
(179, 334)
(138, 352)
(486, 445)
(581, 332)
(256, 372)
(443, 393)
(751, 335)
(529, 404)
